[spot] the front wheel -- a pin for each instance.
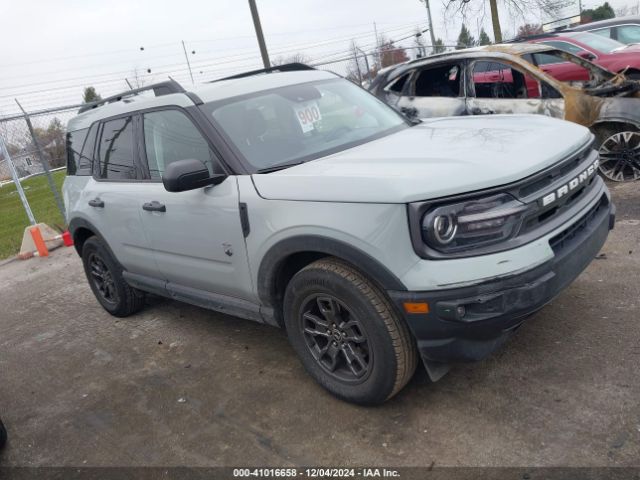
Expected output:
(347, 334)
(619, 149)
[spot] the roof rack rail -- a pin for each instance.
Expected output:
(286, 67)
(160, 89)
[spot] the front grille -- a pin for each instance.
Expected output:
(552, 175)
(561, 240)
(533, 192)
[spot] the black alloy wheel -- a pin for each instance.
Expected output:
(102, 278)
(105, 276)
(336, 338)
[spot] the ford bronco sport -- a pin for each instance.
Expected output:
(293, 197)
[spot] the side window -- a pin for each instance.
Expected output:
(442, 81)
(603, 32)
(629, 34)
(85, 164)
(567, 47)
(75, 140)
(116, 151)
(398, 84)
(499, 80)
(169, 135)
(548, 59)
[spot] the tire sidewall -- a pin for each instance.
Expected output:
(380, 382)
(96, 247)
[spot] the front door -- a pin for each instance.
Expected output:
(434, 91)
(196, 236)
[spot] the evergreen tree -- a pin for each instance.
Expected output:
(465, 39)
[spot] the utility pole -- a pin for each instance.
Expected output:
(16, 181)
(188, 64)
(377, 57)
(259, 35)
(366, 61)
(431, 32)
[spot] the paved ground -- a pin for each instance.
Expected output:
(178, 385)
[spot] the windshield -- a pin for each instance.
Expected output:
(297, 123)
(598, 43)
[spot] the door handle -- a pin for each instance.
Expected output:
(154, 207)
(96, 202)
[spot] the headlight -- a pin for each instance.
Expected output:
(472, 223)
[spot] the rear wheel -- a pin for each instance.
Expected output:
(619, 148)
(347, 334)
(105, 279)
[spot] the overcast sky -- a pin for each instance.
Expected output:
(52, 49)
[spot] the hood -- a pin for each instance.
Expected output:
(436, 158)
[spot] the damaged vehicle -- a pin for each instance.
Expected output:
(508, 79)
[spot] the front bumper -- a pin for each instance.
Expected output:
(468, 323)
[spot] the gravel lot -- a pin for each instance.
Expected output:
(178, 385)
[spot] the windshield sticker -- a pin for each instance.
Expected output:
(308, 114)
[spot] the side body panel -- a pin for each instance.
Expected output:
(198, 242)
(118, 221)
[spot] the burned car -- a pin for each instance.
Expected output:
(511, 79)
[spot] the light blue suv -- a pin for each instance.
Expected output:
(295, 198)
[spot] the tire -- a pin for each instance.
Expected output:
(619, 148)
(347, 334)
(3, 435)
(104, 275)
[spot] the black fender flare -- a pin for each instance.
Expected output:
(78, 223)
(276, 256)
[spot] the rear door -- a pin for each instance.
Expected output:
(504, 89)
(196, 236)
(113, 195)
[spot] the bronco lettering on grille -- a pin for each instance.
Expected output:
(572, 184)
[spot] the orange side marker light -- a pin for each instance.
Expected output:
(411, 307)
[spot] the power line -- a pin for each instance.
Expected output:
(197, 64)
(179, 71)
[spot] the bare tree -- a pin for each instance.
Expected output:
(295, 58)
(515, 8)
(626, 10)
(137, 78)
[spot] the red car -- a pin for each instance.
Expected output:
(605, 52)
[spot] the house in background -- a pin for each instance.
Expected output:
(26, 163)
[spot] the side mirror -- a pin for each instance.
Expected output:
(188, 174)
(587, 55)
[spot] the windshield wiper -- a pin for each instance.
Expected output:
(278, 166)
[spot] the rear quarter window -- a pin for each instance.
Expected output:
(75, 141)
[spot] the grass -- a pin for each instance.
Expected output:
(13, 218)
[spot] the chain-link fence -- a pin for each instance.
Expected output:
(32, 151)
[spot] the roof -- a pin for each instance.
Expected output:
(611, 22)
(208, 92)
(508, 48)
